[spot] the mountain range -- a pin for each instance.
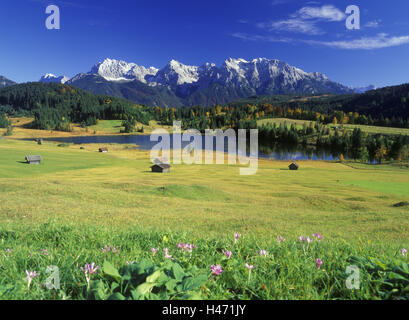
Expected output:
(4, 82)
(365, 89)
(50, 78)
(177, 85)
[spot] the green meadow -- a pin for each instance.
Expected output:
(64, 211)
(367, 129)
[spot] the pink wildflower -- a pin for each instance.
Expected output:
(216, 269)
(249, 267)
(280, 239)
(318, 236)
(167, 255)
(227, 254)
(30, 276)
(263, 253)
(89, 270)
(319, 263)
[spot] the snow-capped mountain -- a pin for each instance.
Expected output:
(255, 73)
(4, 82)
(115, 70)
(49, 77)
(175, 74)
(264, 74)
(206, 84)
(365, 89)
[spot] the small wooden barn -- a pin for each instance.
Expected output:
(103, 149)
(161, 167)
(293, 166)
(33, 159)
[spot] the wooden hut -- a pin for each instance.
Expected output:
(103, 149)
(293, 166)
(161, 167)
(33, 159)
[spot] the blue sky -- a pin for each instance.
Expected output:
(308, 34)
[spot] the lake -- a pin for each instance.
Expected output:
(273, 152)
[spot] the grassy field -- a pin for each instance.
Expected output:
(367, 129)
(104, 127)
(289, 122)
(78, 200)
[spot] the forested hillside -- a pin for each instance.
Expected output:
(388, 106)
(55, 106)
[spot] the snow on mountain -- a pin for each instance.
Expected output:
(116, 70)
(175, 74)
(4, 82)
(79, 76)
(256, 74)
(364, 89)
(207, 84)
(49, 77)
(262, 73)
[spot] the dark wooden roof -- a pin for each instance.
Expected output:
(294, 165)
(161, 165)
(33, 158)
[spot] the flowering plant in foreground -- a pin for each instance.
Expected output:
(30, 276)
(263, 253)
(107, 248)
(227, 254)
(404, 252)
(280, 239)
(319, 263)
(216, 269)
(89, 270)
(237, 236)
(167, 255)
(318, 236)
(186, 246)
(249, 268)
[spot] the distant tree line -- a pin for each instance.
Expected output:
(355, 144)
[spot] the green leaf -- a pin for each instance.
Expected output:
(154, 276)
(171, 284)
(109, 270)
(142, 266)
(190, 284)
(135, 295)
(114, 285)
(97, 290)
(116, 296)
(163, 278)
(177, 272)
(144, 288)
(192, 296)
